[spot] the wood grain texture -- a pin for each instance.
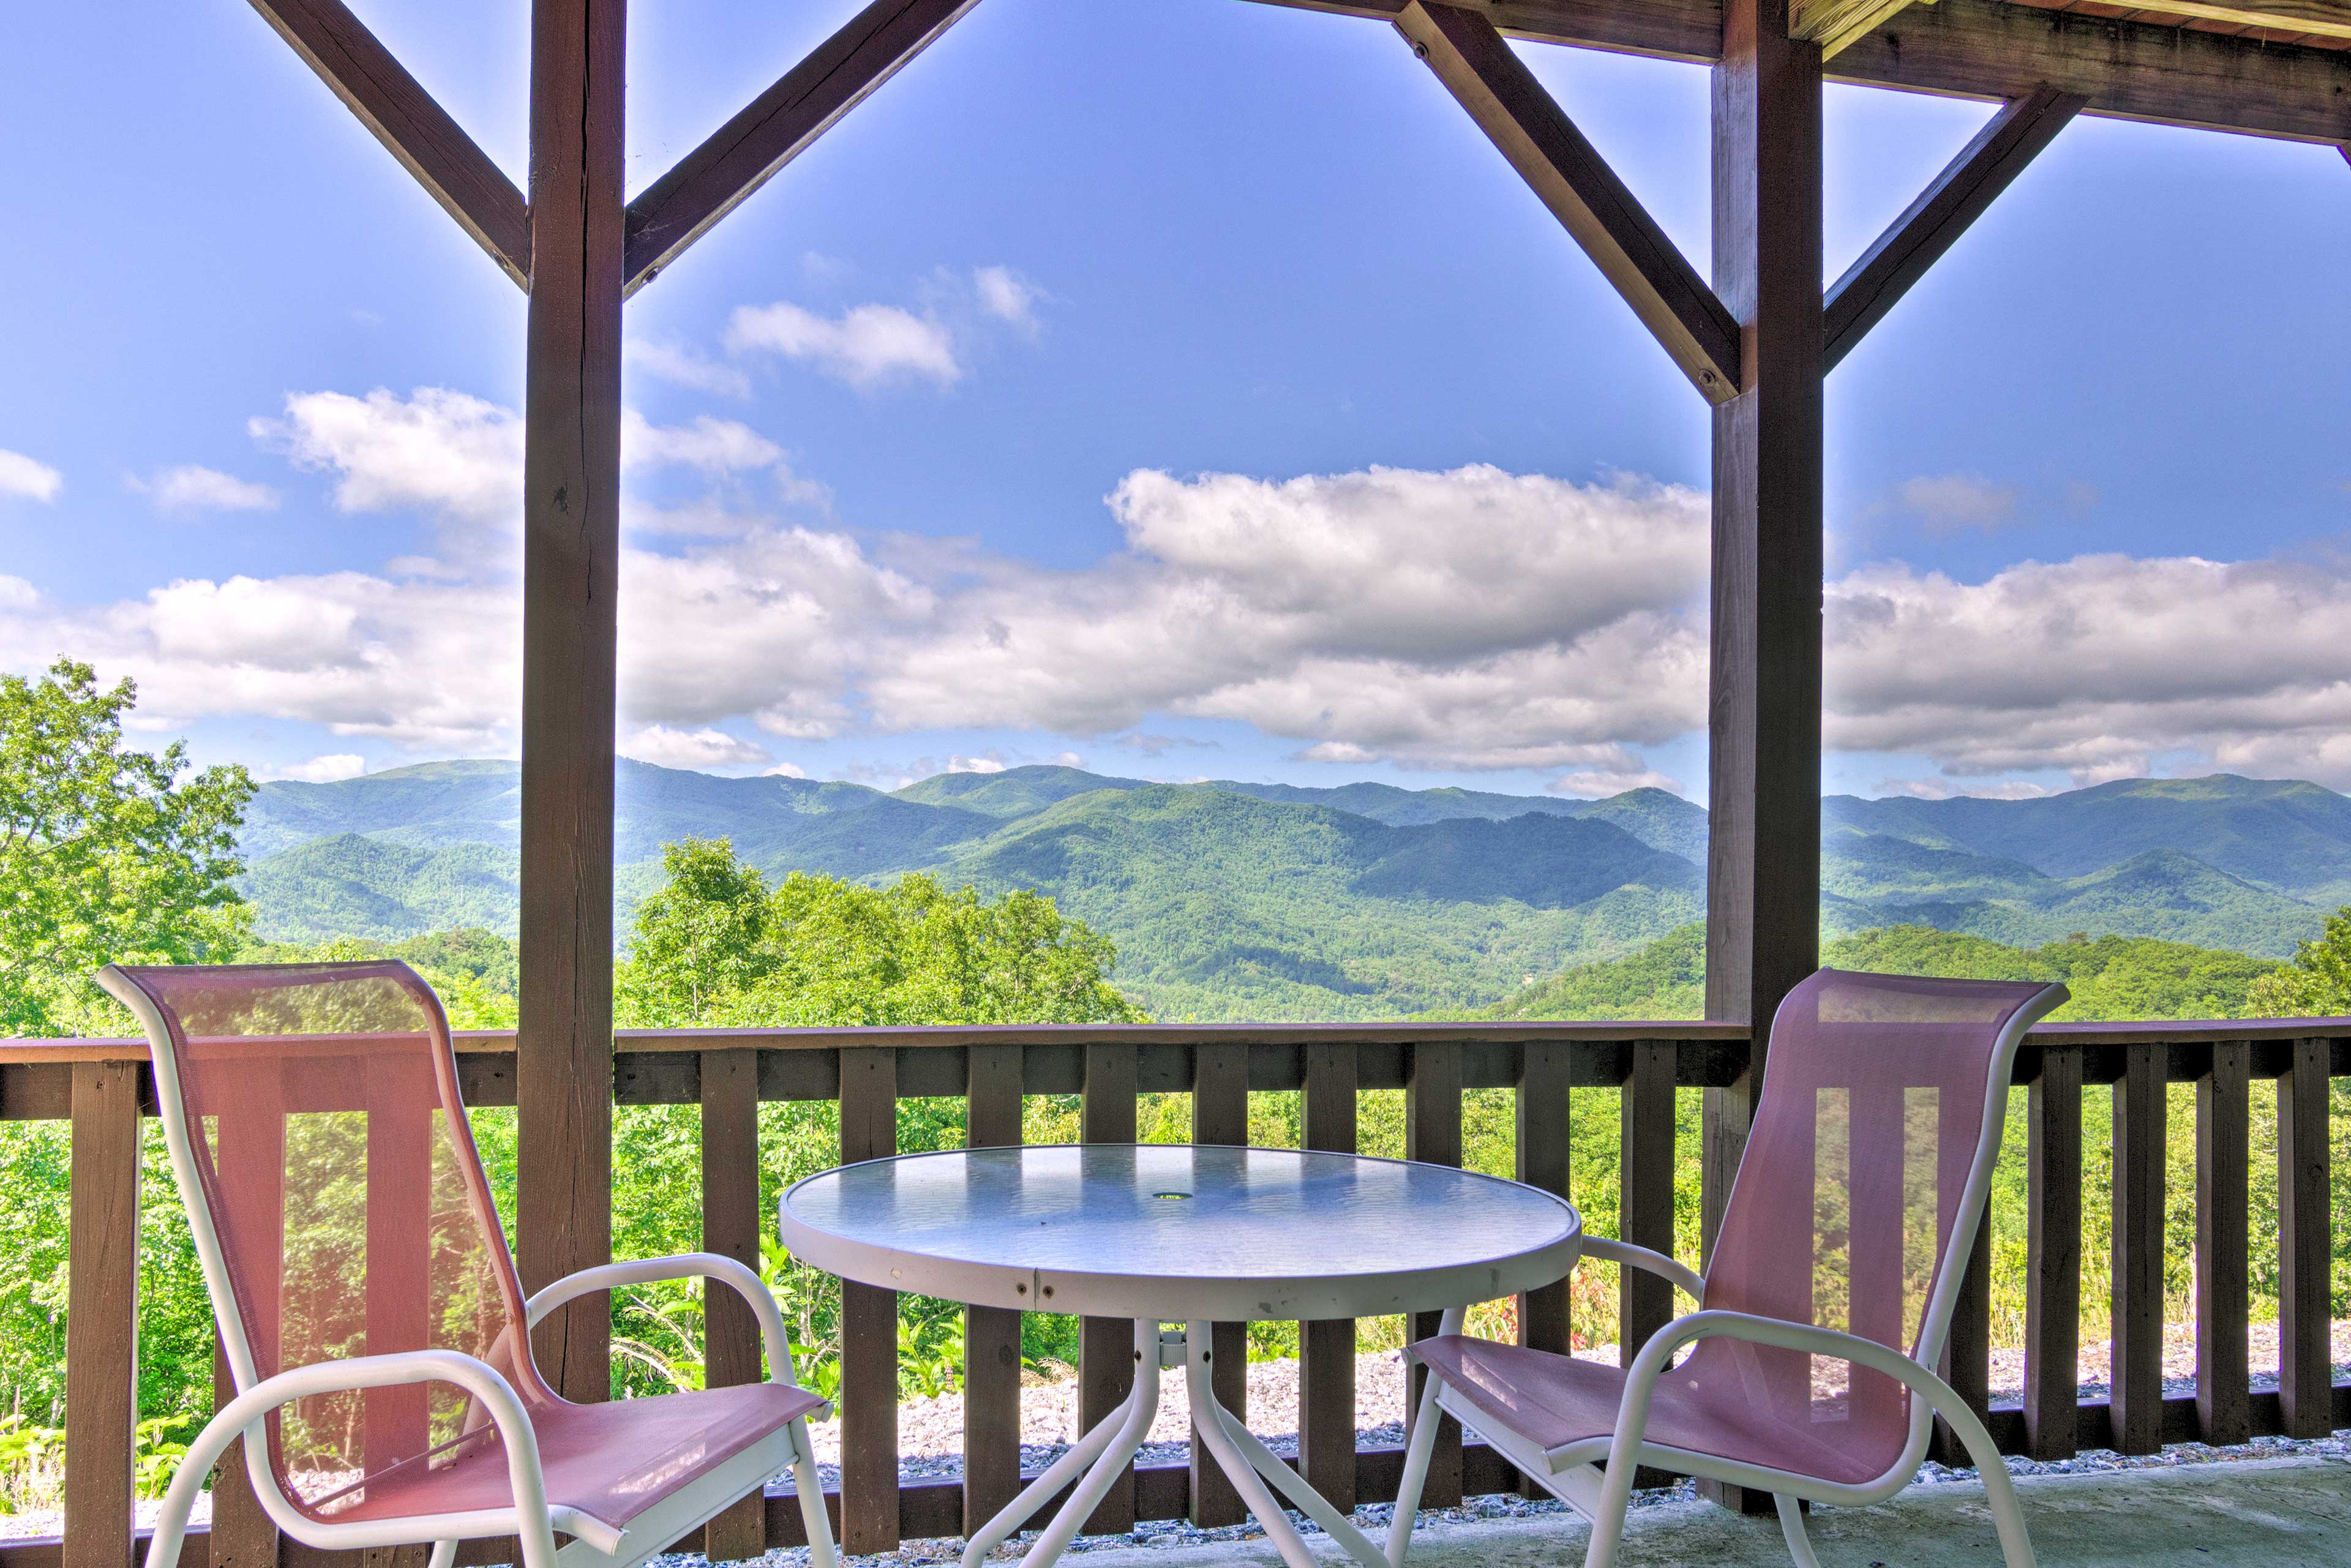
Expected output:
(1644, 1304)
(2053, 1263)
(2306, 1373)
(252, 1144)
(571, 537)
(991, 1335)
(1326, 1350)
(1432, 1133)
(1835, 24)
(1929, 226)
(1106, 1346)
(1220, 1115)
(731, 1222)
(776, 127)
(415, 128)
(400, 1137)
(1539, 1117)
(2223, 1195)
(869, 1326)
(2137, 1283)
(2324, 18)
(1568, 174)
(101, 1314)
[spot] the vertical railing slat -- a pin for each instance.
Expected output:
(1432, 1133)
(250, 1139)
(1967, 1351)
(869, 1324)
(1220, 1115)
(1106, 1346)
(1644, 1301)
(2137, 1282)
(991, 1335)
(2223, 1295)
(730, 1228)
(399, 1250)
(2053, 1268)
(2305, 1375)
(101, 1313)
(1541, 1137)
(1326, 1349)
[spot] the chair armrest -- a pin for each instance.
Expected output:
(684, 1266)
(1610, 1251)
(533, 1521)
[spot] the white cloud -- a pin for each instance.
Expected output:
(669, 746)
(712, 446)
(1006, 296)
(15, 593)
(328, 770)
(1946, 503)
(681, 366)
(191, 487)
(868, 346)
(1946, 790)
(785, 770)
(1591, 784)
(438, 451)
(974, 765)
(24, 478)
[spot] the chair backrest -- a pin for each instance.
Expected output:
(339, 1203)
(1863, 1185)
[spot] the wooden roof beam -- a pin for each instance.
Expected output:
(746, 152)
(1961, 194)
(1476, 65)
(405, 118)
(1835, 24)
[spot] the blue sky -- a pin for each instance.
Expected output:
(1183, 387)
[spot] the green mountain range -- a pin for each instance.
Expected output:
(1243, 900)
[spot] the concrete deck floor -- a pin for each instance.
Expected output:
(2289, 1512)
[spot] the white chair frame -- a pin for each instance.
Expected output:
(1572, 1474)
(531, 1519)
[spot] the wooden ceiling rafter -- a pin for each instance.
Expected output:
(407, 119)
(1955, 199)
(1836, 24)
(1527, 125)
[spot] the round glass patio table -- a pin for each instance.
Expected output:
(1197, 1234)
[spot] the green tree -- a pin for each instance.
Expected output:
(2317, 984)
(106, 854)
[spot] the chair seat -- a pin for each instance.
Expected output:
(1703, 1406)
(610, 1462)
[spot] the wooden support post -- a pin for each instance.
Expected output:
(572, 535)
(2224, 1171)
(1220, 1115)
(2306, 1374)
(731, 1221)
(101, 1314)
(2052, 1266)
(1961, 194)
(991, 1335)
(1540, 1116)
(1432, 1133)
(1645, 1302)
(1106, 1346)
(2137, 1285)
(1326, 1349)
(1763, 849)
(869, 1324)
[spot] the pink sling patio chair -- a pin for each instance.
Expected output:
(370, 1309)
(1828, 1296)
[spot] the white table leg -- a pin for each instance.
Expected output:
(1103, 1452)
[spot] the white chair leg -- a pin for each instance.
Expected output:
(808, 1486)
(1608, 1527)
(1791, 1526)
(444, 1554)
(1417, 1452)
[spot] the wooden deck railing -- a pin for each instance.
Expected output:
(102, 1087)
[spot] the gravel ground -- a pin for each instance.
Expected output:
(930, 1438)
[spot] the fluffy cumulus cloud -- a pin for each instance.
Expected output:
(681, 366)
(868, 346)
(27, 478)
(191, 487)
(327, 769)
(705, 747)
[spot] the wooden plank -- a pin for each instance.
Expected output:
(1930, 225)
(991, 1335)
(731, 1223)
(413, 127)
(251, 1143)
(2052, 1266)
(1106, 1346)
(1966, 1362)
(2319, 18)
(1326, 1350)
(101, 1314)
(1220, 1115)
(1432, 1133)
(1763, 851)
(1835, 24)
(2305, 1244)
(776, 127)
(1540, 1117)
(1563, 169)
(2137, 1285)
(572, 535)
(400, 1137)
(2223, 1286)
(1644, 1304)
(868, 1325)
